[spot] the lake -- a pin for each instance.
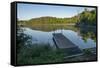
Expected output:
(83, 38)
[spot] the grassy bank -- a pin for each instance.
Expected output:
(37, 54)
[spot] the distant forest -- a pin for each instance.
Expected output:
(84, 18)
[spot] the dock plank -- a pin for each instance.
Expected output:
(69, 48)
(62, 41)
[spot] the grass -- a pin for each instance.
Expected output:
(43, 53)
(38, 54)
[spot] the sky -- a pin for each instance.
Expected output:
(29, 11)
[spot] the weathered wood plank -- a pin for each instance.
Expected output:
(62, 42)
(69, 48)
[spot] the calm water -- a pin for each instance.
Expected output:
(81, 39)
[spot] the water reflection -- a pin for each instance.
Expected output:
(82, 38)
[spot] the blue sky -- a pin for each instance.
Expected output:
(28, 11)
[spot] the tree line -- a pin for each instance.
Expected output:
(84, 18)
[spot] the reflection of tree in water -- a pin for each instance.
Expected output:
(49, 28)
(87, 32)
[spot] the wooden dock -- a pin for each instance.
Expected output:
(62, 42)
(66, 45)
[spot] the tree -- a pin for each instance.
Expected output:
(22, 39)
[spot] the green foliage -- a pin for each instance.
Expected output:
(37, 54)
(49, 20)
(84, 18)
(88, 18)
(22, 39)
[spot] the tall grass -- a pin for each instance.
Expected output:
(37, 54)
